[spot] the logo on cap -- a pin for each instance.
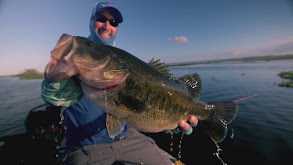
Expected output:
(106, 4)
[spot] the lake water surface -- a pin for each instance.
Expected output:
(262, 133)
(264, 125)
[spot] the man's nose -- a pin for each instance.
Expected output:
(107, 24)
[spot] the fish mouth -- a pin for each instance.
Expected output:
(101, 80)
(101, 87)
(104, 84)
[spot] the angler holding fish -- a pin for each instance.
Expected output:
(110, 94)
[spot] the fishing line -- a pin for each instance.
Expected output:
(244, 98)
(217, 153)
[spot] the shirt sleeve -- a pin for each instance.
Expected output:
(63, 93)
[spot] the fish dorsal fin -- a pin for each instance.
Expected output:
(161, 67)
(193, 84)
(114, 126)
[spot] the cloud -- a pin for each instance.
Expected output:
(283, 46)
(278, 47)
(182, 39)
(287, 41)
(236, 52)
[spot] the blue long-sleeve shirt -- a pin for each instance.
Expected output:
(86, 124)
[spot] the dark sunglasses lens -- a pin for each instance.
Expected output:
(113, 22)
(104, 19)
(101, 19)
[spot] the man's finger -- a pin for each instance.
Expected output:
(193, 121)
(185, 127)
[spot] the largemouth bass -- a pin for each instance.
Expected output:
(130, 91)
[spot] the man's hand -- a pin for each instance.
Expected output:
(187, 128)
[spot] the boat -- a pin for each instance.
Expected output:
(42, 142)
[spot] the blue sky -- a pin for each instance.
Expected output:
(170, 30)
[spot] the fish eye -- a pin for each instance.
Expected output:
(89, 43)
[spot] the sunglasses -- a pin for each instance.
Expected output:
(101, 18)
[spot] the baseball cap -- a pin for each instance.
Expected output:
(108, 6)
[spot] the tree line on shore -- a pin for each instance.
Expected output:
(29, 74)
(287, 76)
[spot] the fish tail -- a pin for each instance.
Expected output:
(222, 113)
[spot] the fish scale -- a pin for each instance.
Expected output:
(162, 116)
(153, 96)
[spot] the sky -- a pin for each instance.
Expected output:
(170, 30)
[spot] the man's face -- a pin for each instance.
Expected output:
(104, 29)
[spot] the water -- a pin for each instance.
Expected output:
(17, 98)
(262, 132)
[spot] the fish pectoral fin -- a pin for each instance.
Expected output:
(114, 126)
(193, 83)
(223, 113)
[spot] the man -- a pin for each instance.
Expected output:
(87, 139)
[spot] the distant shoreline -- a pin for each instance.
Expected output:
(244, 59)
(34, 74)
(29, 74)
